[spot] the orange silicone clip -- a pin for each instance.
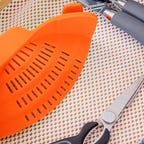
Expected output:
(39, 67)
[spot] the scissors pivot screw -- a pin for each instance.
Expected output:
(108, 117)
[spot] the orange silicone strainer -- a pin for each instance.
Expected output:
(39, 67)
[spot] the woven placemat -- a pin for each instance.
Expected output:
(115, 60)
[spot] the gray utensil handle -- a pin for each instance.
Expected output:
(129, 24)
(134, 8)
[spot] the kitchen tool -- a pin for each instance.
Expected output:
(127, 15)
(132, 7)
(108, 118)
(39, 67)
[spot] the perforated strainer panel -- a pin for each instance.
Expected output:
(115, 60)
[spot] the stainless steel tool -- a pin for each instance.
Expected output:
(127, 15)
(132, 7)
(108, 118)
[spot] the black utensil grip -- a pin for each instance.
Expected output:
(79, 139)
(134, 8)
(129, 24)
(104, 139)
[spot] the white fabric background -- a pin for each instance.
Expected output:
(115, 60)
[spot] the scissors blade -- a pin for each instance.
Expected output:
(125, 99)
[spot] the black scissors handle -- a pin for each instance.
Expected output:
(79, 139)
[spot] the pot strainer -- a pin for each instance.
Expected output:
(39, 67)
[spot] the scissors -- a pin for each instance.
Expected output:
(108, 118)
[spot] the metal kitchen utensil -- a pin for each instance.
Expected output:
(108, 118)
(132, 7)
(127, 15)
